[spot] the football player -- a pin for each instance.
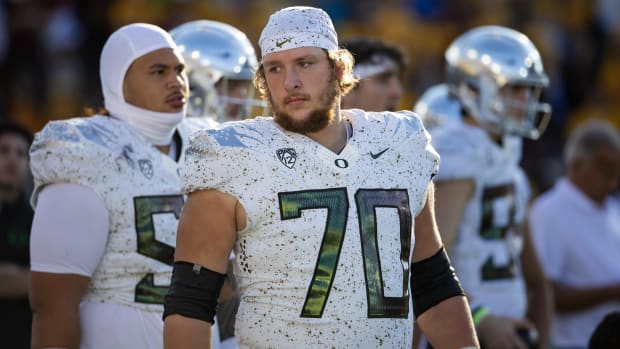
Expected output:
(497, 76)
(379, 66)
(320, 213)
(107, 198)
(221, 63)
(436, 107)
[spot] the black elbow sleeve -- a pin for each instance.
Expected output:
(193, 292)
(433, 280)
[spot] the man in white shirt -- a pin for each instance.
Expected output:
(576, 230)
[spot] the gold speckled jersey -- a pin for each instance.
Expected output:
(324, 259)
(486, 251)
(140, 187)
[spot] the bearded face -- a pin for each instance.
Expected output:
(319, 106)
(318, 118)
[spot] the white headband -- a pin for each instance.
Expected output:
(379, 63)
(298, 26)
(120, 50)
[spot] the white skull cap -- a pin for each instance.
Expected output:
(298, 26)
(123, 47)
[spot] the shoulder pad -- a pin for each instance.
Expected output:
(462, 150)
(200, 158)
(190, 125)
(213, 156)
(75, 131)
(397, 127)
(72, 151)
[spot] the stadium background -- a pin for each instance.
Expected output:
(49, 50)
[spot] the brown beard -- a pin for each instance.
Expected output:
(318, 118)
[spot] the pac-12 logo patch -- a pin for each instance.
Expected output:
(287, 156)
(146, 167)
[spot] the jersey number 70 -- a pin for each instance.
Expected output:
(337, 204)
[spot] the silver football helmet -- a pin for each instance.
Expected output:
(497, 75)
(436, 107)
(221, 63)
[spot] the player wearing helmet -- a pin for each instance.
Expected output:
(497, 75)
(221, 63)
(436, 107)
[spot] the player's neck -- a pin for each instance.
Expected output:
(335, 136)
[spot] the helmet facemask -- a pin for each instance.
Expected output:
(203, 95)
(500, 111)
(238, 99)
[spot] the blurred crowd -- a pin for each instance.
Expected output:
(49, 51)
(49, 70)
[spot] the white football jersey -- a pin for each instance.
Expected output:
(324, 259)
(486, 251)
(140, 187)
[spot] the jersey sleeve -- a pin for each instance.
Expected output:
(417, 142)
(204, 166)
(69, 152)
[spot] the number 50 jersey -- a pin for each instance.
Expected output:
(487, 248)
(141, 190)
(324, 258)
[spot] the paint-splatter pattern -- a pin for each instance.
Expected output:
(140, 187)
(300, 264)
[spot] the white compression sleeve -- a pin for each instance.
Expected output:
(69, 230)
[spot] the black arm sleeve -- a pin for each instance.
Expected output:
(193, 292)
(433, 280)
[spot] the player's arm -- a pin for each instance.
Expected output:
(15, 281)
(540, 304)
(55, 301)
(441, 308)
(569, 298)
(68, 239)
(207, 231)
(451, 197)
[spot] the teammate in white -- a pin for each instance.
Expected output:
(321, 216)
(107, 198)
(436, 107)
(496, 74)
(221, 63)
